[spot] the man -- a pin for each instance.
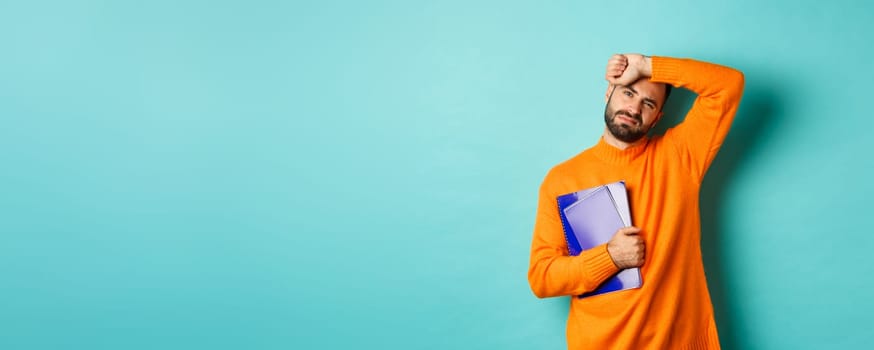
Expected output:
(663, 175)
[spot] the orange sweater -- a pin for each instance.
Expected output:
(672, 309)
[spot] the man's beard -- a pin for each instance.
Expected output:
(624, 132)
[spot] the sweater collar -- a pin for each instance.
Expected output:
(611, 154)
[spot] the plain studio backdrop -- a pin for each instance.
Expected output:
(364, 174)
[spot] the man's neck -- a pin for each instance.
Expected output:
(622, 145)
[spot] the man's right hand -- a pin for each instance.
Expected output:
(625, 69)
(626, 248)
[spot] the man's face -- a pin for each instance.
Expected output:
(632, 110)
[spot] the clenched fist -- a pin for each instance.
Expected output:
(626, 248)
(625, 69)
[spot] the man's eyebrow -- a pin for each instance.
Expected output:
(647, 99)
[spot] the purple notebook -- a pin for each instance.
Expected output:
(590, 218)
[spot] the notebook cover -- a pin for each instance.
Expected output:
(590, 218)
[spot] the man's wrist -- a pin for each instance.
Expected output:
(646, 66)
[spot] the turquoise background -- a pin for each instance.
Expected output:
(329, 174)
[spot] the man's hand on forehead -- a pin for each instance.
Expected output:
(615, 67)
(625, 69)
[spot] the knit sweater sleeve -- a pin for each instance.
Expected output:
(719, 89)
(551, 271)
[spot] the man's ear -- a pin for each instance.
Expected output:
(610, 88)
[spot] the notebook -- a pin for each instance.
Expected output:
(590, 218)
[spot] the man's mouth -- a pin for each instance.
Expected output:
(627, 119)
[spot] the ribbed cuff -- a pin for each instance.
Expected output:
(665, 69)
(598, 265)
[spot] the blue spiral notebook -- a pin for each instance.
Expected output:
(590, 218)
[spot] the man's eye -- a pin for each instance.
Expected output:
(650, 106)
(627, 93)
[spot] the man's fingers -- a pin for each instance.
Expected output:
(617, 62)
(628, 231)
(616, 65)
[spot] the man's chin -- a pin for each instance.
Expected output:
(626, 136)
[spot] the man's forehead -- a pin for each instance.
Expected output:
(646, 84)
(648, 88)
